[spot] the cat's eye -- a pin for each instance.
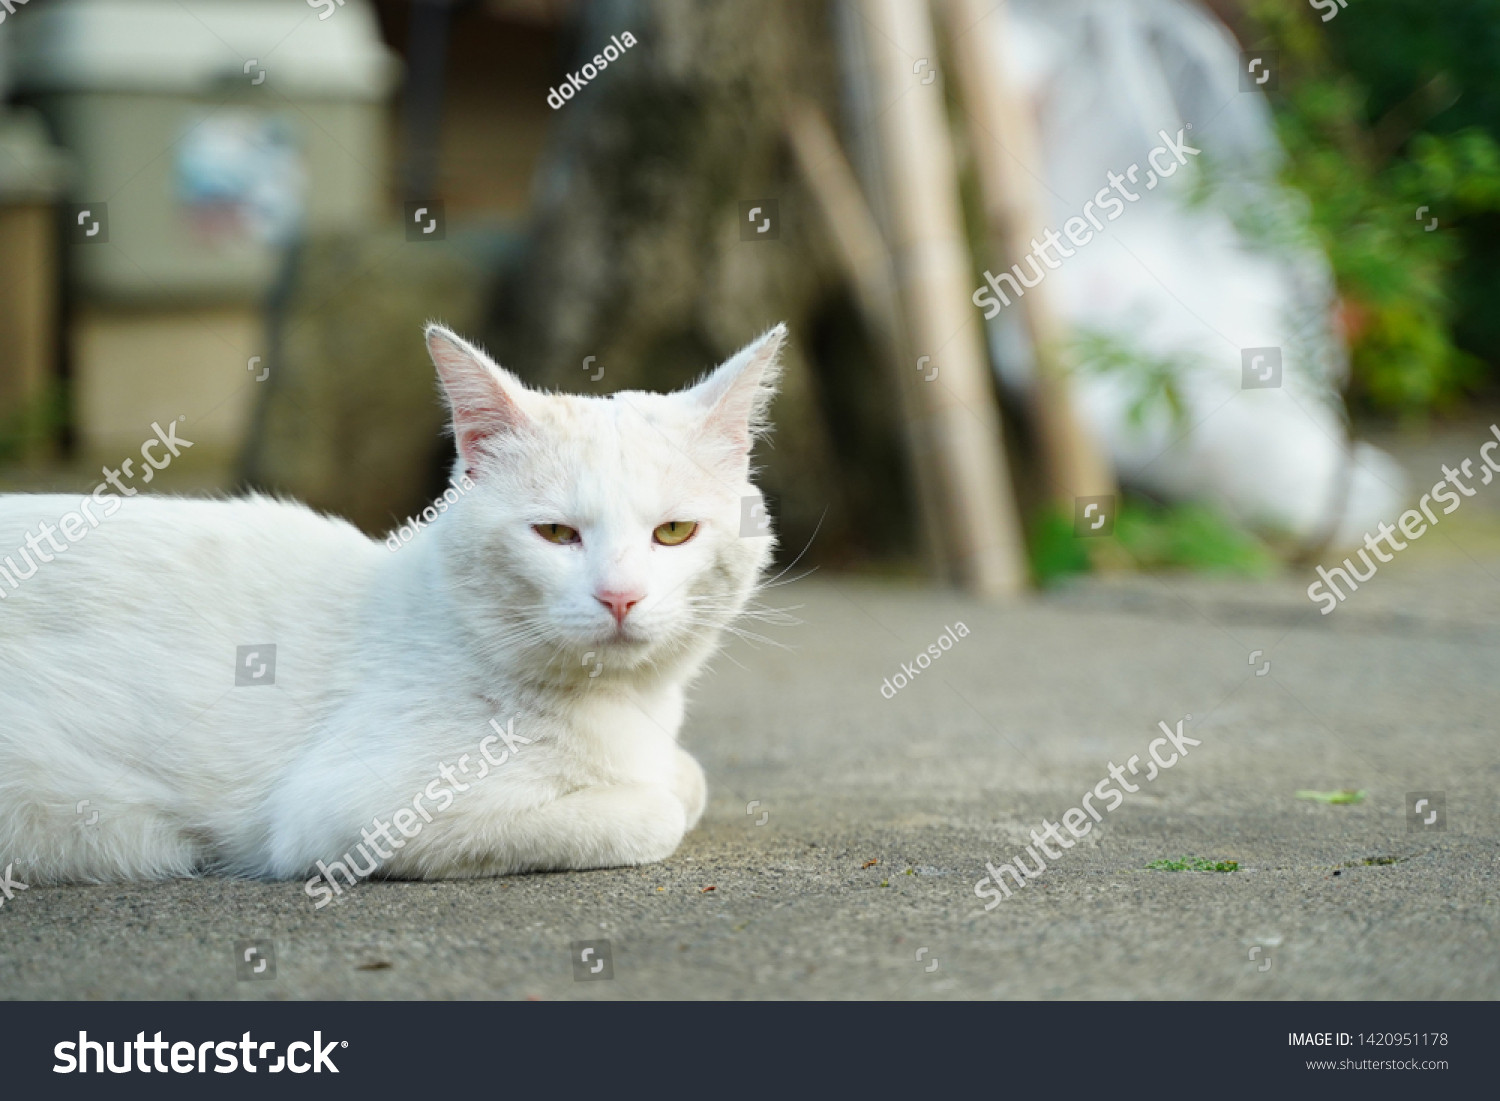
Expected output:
(556, 533)
(675, 532)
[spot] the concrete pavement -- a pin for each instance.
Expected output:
(1395, 692)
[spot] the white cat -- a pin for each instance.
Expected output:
(526, 653)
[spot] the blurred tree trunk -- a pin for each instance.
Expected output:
(636, 258)
(349, 418)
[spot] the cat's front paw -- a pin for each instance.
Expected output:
(690, 787)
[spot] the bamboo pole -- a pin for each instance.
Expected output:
(1008, 162)
(867, 264)
(958, 412)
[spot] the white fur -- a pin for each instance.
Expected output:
(118, 656)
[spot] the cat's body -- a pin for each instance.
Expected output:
(517, 698)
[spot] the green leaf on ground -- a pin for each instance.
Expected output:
(1193, 864)
(1336, 798)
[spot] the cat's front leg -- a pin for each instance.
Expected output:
(609, 826)
(690, 786)
(605, 826)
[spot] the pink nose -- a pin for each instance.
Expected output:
(618, 603)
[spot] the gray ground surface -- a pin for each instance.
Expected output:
(1395, 692)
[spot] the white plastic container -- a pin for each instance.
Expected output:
(211, 131)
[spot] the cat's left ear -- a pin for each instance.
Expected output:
(486, 400)
(737, 396)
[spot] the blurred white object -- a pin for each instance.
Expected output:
(1173, 280)
(241, 172)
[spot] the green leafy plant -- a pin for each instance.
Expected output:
(1149, 536)
(1155, 381)
(1365, 179)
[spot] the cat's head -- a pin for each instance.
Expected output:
(603, 535)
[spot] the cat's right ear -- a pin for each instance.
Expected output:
(485, 399)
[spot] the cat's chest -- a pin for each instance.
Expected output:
(618, 738)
